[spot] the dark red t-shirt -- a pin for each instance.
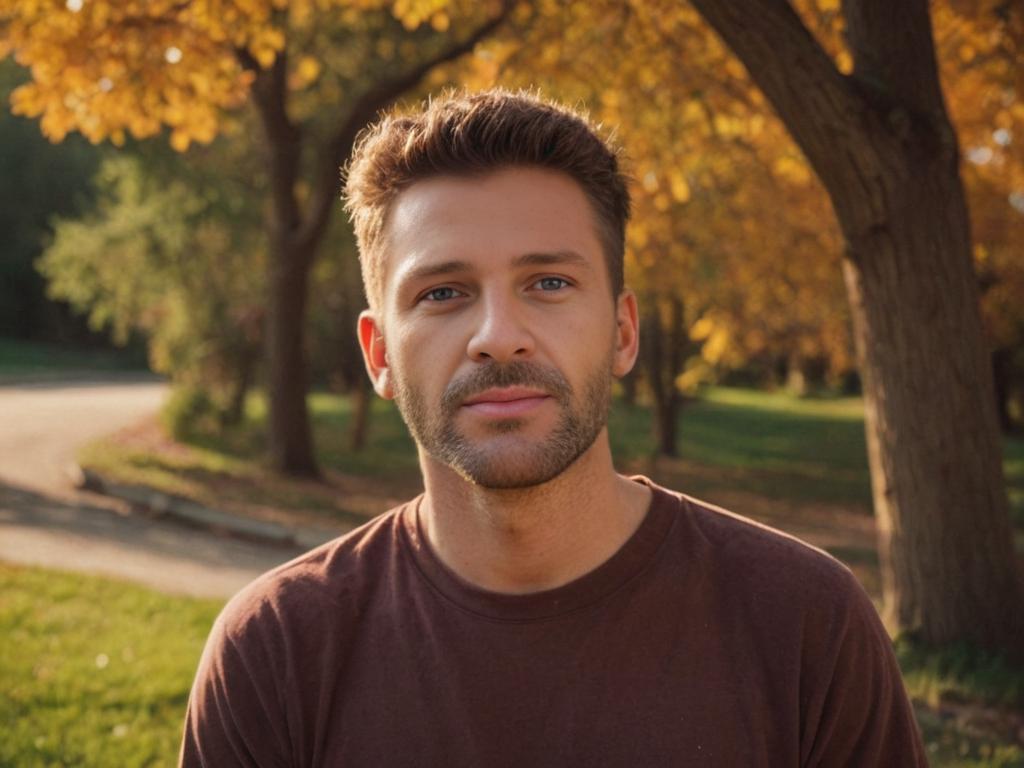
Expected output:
(706, 640)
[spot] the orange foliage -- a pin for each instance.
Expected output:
(728, 214)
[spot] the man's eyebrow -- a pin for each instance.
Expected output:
(543, 259)
(434, 270)
(539, 258)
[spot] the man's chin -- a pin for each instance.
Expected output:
(506, 467)
(502, 480)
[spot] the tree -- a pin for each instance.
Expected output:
(881, 142)
(113, 68)
(176, 256)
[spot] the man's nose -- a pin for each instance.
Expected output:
(502, 333)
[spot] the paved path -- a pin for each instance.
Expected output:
(44, 521)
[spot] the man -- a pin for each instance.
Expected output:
(532, 607)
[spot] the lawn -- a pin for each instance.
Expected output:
(770, 444)
(94, 672)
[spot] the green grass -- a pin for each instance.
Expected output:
(94, 672)
(1013, 466)
(772, 444)
(937, 676)
(951, 685)
(19, 358)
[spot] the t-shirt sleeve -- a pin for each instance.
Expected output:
(856, 710)
(235, 713)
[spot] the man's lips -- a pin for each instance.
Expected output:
(506, 401)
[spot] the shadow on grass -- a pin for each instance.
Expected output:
(1013, 452)
(776, 452)
(389, 448)
(855, 556)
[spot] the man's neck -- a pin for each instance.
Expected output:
(531, 539)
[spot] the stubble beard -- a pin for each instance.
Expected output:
(509, 463)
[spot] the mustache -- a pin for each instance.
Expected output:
(499, 375)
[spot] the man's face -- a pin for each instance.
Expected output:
(497, 334)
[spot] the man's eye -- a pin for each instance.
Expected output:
(551, 283)
(444, 293)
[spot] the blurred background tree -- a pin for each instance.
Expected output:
(173, 251)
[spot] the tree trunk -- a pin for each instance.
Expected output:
(882, 144)
(246, 365)
(290, 435)
(1002, 374)
(362, 401)
(663, 360)
(796, 377)
(933, 446)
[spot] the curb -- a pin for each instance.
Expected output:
(77, 377)
(167, 505)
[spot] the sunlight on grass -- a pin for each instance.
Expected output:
(950, 682)
(849, 408)
(95, 672)
(960, 673)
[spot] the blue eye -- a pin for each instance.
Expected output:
(552, 283)
(444, 293)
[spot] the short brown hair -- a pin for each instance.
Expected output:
(471, 133)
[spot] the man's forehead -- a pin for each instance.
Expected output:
(520, 213)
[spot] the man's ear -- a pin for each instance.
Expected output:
(375, 354)
(627, 333)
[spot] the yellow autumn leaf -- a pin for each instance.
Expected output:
(180, 140)
(679, 186)
(440, 21)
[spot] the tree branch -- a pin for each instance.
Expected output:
(893, 52)
(366, 108)
(845, 138)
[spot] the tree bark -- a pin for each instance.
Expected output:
(883, 146)
(245, 367)
(1002, 374)
(664, 355)
(362, 400)
(290, 434)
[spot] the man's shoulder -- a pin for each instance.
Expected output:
(336, 577)
(754, 558)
